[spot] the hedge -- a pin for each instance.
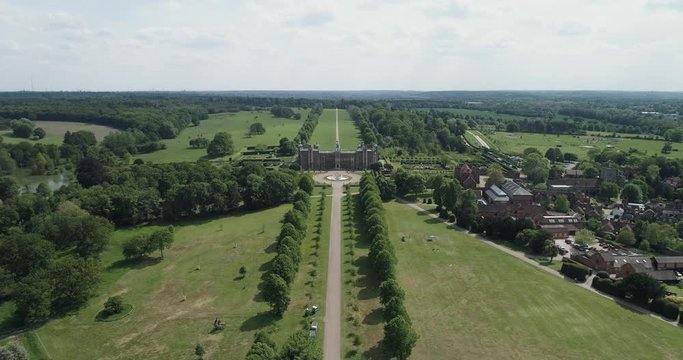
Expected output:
(608, 286)
(665, 308)
(602, 274)
(575, 271)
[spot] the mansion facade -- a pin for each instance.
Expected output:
(312, 158)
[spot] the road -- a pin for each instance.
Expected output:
(336, 124)
(480, 140)
(333, 295)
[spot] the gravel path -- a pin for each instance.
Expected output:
(480, 140)
(332, 341)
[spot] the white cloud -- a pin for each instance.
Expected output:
(355, 44)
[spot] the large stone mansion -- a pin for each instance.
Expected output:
(312, 158)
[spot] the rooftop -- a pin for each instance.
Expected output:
(669, 259)
(511, 188)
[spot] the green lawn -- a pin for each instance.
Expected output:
(54, 132)
(309, 286)
(580, 145)
(468, 300)
(362, 313)
(237, 124)
(174, 304)
(325, 133)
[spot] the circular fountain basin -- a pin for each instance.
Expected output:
(337, 177)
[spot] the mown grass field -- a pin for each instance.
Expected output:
(362, 326)
(237, 124)
(325, 133)
(54, 132)
(309, 287)
(468, 300)
(580, 145)
(174, 304)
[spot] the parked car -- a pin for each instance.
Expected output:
(568, 241)
(314, 329)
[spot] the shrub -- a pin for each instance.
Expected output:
(608, 286)
(113, 305)
(675, 299)
(451, 218)
(680, 320)
(575, 271)
(602, 274)
(665, 308)
(443, 214)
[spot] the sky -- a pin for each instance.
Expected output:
(93, 45)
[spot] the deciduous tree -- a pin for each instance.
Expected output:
(399, 338)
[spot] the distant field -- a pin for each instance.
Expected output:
(237, 124)
(484, 113)
(55, 131)
(580, 145)
(175, 304)
(325, 133)
(468, 300)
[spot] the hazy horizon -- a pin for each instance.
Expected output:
(397, 45)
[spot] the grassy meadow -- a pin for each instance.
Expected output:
(468, 300)
(175, 300)
(237, 124)
(362, 326)
(54, 132)
(580, 145)
(325, 133)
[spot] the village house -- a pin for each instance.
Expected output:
(622, 264)
(559, 225)
(573, 173)
(585, 185)
(468, 177)
(659, 275)
(509, 199)
(668, 263)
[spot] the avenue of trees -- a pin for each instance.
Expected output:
(427, 132)
(399, 335)
(306, 130)
(284, 267)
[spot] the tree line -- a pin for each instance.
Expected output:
(49, 262)
(306, 130)
(285, 265)
(399, 335)
(425, 132)
(299, 346)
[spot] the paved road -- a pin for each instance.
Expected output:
(336, 123)
(332, 342)
(521, 256)
(333, 295)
